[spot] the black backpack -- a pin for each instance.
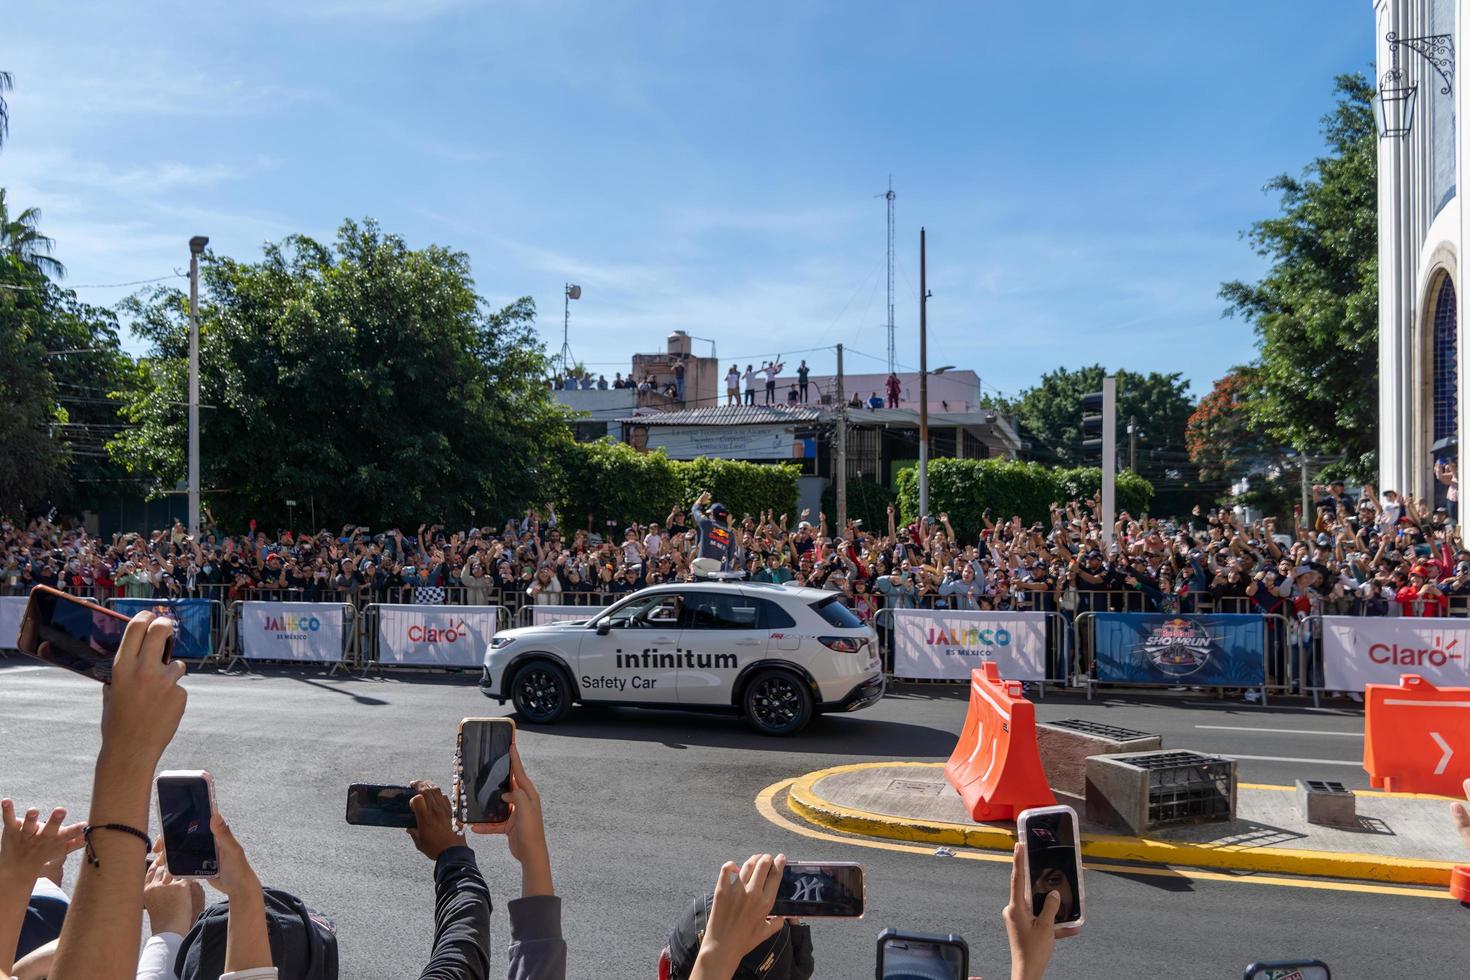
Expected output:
(303, 941)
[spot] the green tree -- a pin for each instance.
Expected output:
(32, 458)
(367, 377)
(1316, 311)
(5, 85)
(20, 237)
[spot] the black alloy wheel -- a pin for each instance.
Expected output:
(541, 693)
(778, 702)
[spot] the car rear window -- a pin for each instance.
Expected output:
(836, 614)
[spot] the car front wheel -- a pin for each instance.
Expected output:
(541, 693)
(777, 702)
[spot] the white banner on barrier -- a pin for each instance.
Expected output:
(946, 644)
(1359, 650)
(541, 615)
(435, 636)
(310, 631)
(12, 611)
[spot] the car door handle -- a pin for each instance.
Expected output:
(748, 643)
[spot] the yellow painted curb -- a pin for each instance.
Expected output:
(803, 799)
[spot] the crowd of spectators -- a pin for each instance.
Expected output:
(1373, 556)
(259, 933)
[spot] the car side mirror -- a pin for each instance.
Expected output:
(604, 628)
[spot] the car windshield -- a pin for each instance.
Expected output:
(653, 610)
(836, 614)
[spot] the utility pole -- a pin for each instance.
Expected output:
(1109, 454)
(1306, 496)
(1099, 432)
(923, 381)
(841, 477)
(1133, 444)
(196, 246)
(892, 349)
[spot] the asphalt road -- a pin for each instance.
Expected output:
(642, 807)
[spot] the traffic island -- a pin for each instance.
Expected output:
(1400, 838)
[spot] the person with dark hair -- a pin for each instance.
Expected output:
(730, 934)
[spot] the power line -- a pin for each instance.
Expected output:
(91, 285)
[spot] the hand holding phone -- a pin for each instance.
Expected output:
(1052, 848)
(185, 809)
(813, 890)
(77, 634)
(482, 773)
(377, 805)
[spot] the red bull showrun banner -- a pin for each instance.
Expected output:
(1200, 651)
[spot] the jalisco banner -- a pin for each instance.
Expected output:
(435, 636)
(12, 611)
(1360, 650)
(946, 644)
(291, 631)
(193, 639)
(1202, 651)
(542, 615)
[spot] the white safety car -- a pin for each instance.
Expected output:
(774, 653)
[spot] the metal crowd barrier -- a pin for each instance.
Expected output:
(216, 620)
(233, 652)
(1281, 656)
(369, 636)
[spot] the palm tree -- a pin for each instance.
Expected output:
(5, 86)
(21, 238)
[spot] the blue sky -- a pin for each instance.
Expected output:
(711, 167)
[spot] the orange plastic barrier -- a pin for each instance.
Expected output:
(1460, 884)
(995, 765)
(1418, 737)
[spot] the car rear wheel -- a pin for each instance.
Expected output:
(541, 693)
(777, 702)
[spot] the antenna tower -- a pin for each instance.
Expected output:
(891, 349)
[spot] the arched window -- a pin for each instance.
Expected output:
(1445, 374)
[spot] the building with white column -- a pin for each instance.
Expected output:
(1422, 391)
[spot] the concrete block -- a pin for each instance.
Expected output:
(1326, 803)
(1139, 791)
(1066, 745)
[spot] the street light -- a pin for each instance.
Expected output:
(1396, 94)
(196, 248)
(573, 291)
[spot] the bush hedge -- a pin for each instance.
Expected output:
(964, 488)
(608, 481)
(866, 501)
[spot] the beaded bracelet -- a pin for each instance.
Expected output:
(121, 828)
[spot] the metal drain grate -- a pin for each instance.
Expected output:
(1185, 786)
(1111, 732)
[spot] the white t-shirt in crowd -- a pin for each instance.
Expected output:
(732, 380)
(749, 378)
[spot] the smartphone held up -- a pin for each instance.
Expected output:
(482, 772)
(377, 805)
(185, 806)
(74, 633)
(821, 890)
(1052, 847)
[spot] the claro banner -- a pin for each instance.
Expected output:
(544, 615)
(1360, 650)
(12, 611)
(435, 636)
(946, 644)
(291, 631)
